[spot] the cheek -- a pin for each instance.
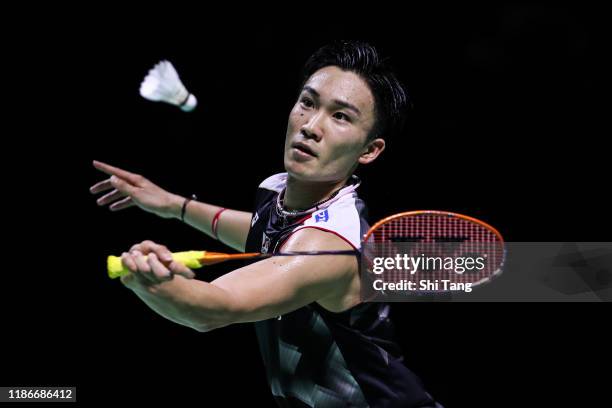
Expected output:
(295, 115)
(293, 125)
(346, 152)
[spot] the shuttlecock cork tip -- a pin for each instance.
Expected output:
(190, 103)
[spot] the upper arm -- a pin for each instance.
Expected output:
(281, 284)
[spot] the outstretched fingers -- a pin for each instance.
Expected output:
(116, 171)
(101, 186)
(110, 197)
(127, 202)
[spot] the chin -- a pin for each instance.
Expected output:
(299, 171)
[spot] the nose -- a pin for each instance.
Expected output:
(312, 128)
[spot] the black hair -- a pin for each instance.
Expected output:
(390, 98)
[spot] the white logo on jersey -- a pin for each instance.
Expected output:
(254, 220)
(265, 243)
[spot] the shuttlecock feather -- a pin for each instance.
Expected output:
(163, 84)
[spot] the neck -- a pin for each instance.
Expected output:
(301, 195)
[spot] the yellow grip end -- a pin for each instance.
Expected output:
(190, 259)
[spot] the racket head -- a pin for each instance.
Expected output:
(442, 234)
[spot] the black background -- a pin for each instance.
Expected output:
(506, 127)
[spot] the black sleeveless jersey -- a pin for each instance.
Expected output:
(317, 358)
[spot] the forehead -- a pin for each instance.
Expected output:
(334, 83)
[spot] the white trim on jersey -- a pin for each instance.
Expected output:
(341, 218)
(276, 182)
(338, 215)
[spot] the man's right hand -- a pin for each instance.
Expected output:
(129, 189)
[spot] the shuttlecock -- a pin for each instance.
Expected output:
(163, 84)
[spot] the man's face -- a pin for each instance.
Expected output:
(328, 126)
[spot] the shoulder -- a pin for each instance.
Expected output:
(332, 268)
(275, 183)
(337, 276)
(269, 189)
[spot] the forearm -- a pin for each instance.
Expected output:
(162, 308)
(133, 189)
(192, 303)
(232, 225)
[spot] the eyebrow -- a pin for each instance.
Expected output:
(336, 101)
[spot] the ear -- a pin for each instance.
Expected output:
(372, 150)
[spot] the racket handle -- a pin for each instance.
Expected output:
(190, 259)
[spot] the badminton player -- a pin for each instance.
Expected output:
(321, 346)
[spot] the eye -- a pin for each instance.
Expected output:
(342, 116)
(307, 102)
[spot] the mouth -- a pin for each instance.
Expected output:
(304, 148)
